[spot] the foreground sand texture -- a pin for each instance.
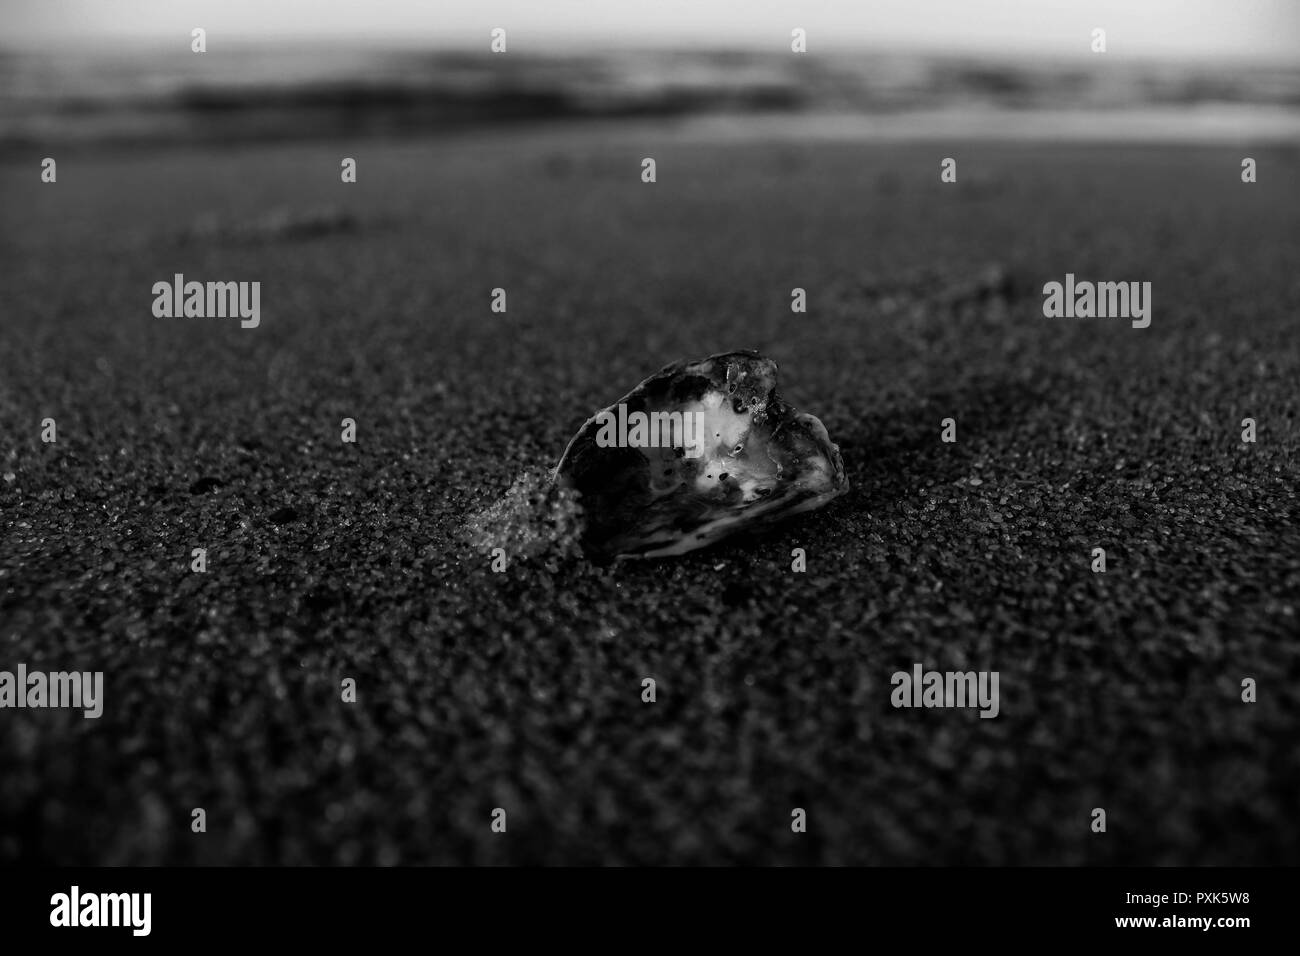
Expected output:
(521, 690)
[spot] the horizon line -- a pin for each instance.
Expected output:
(573, 47)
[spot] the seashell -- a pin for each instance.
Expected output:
(697, 452)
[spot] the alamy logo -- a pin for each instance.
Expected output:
(103, 909)
(683, 430)
(1102, 300)
(208, 300)
(923, 688)
(60, 689)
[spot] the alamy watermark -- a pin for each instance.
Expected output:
(208, 300)
(922, 688)
(1102, 300)
(74, 908)
(59, 689)
(623, 429)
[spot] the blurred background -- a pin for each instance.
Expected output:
(80, 71)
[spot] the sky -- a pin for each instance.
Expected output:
(1186, 29)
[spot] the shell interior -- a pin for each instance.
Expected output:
(724, 454)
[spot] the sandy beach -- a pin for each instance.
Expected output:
(522, 690)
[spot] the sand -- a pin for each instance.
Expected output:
(522, 690)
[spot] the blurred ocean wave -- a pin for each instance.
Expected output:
(265, 93)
